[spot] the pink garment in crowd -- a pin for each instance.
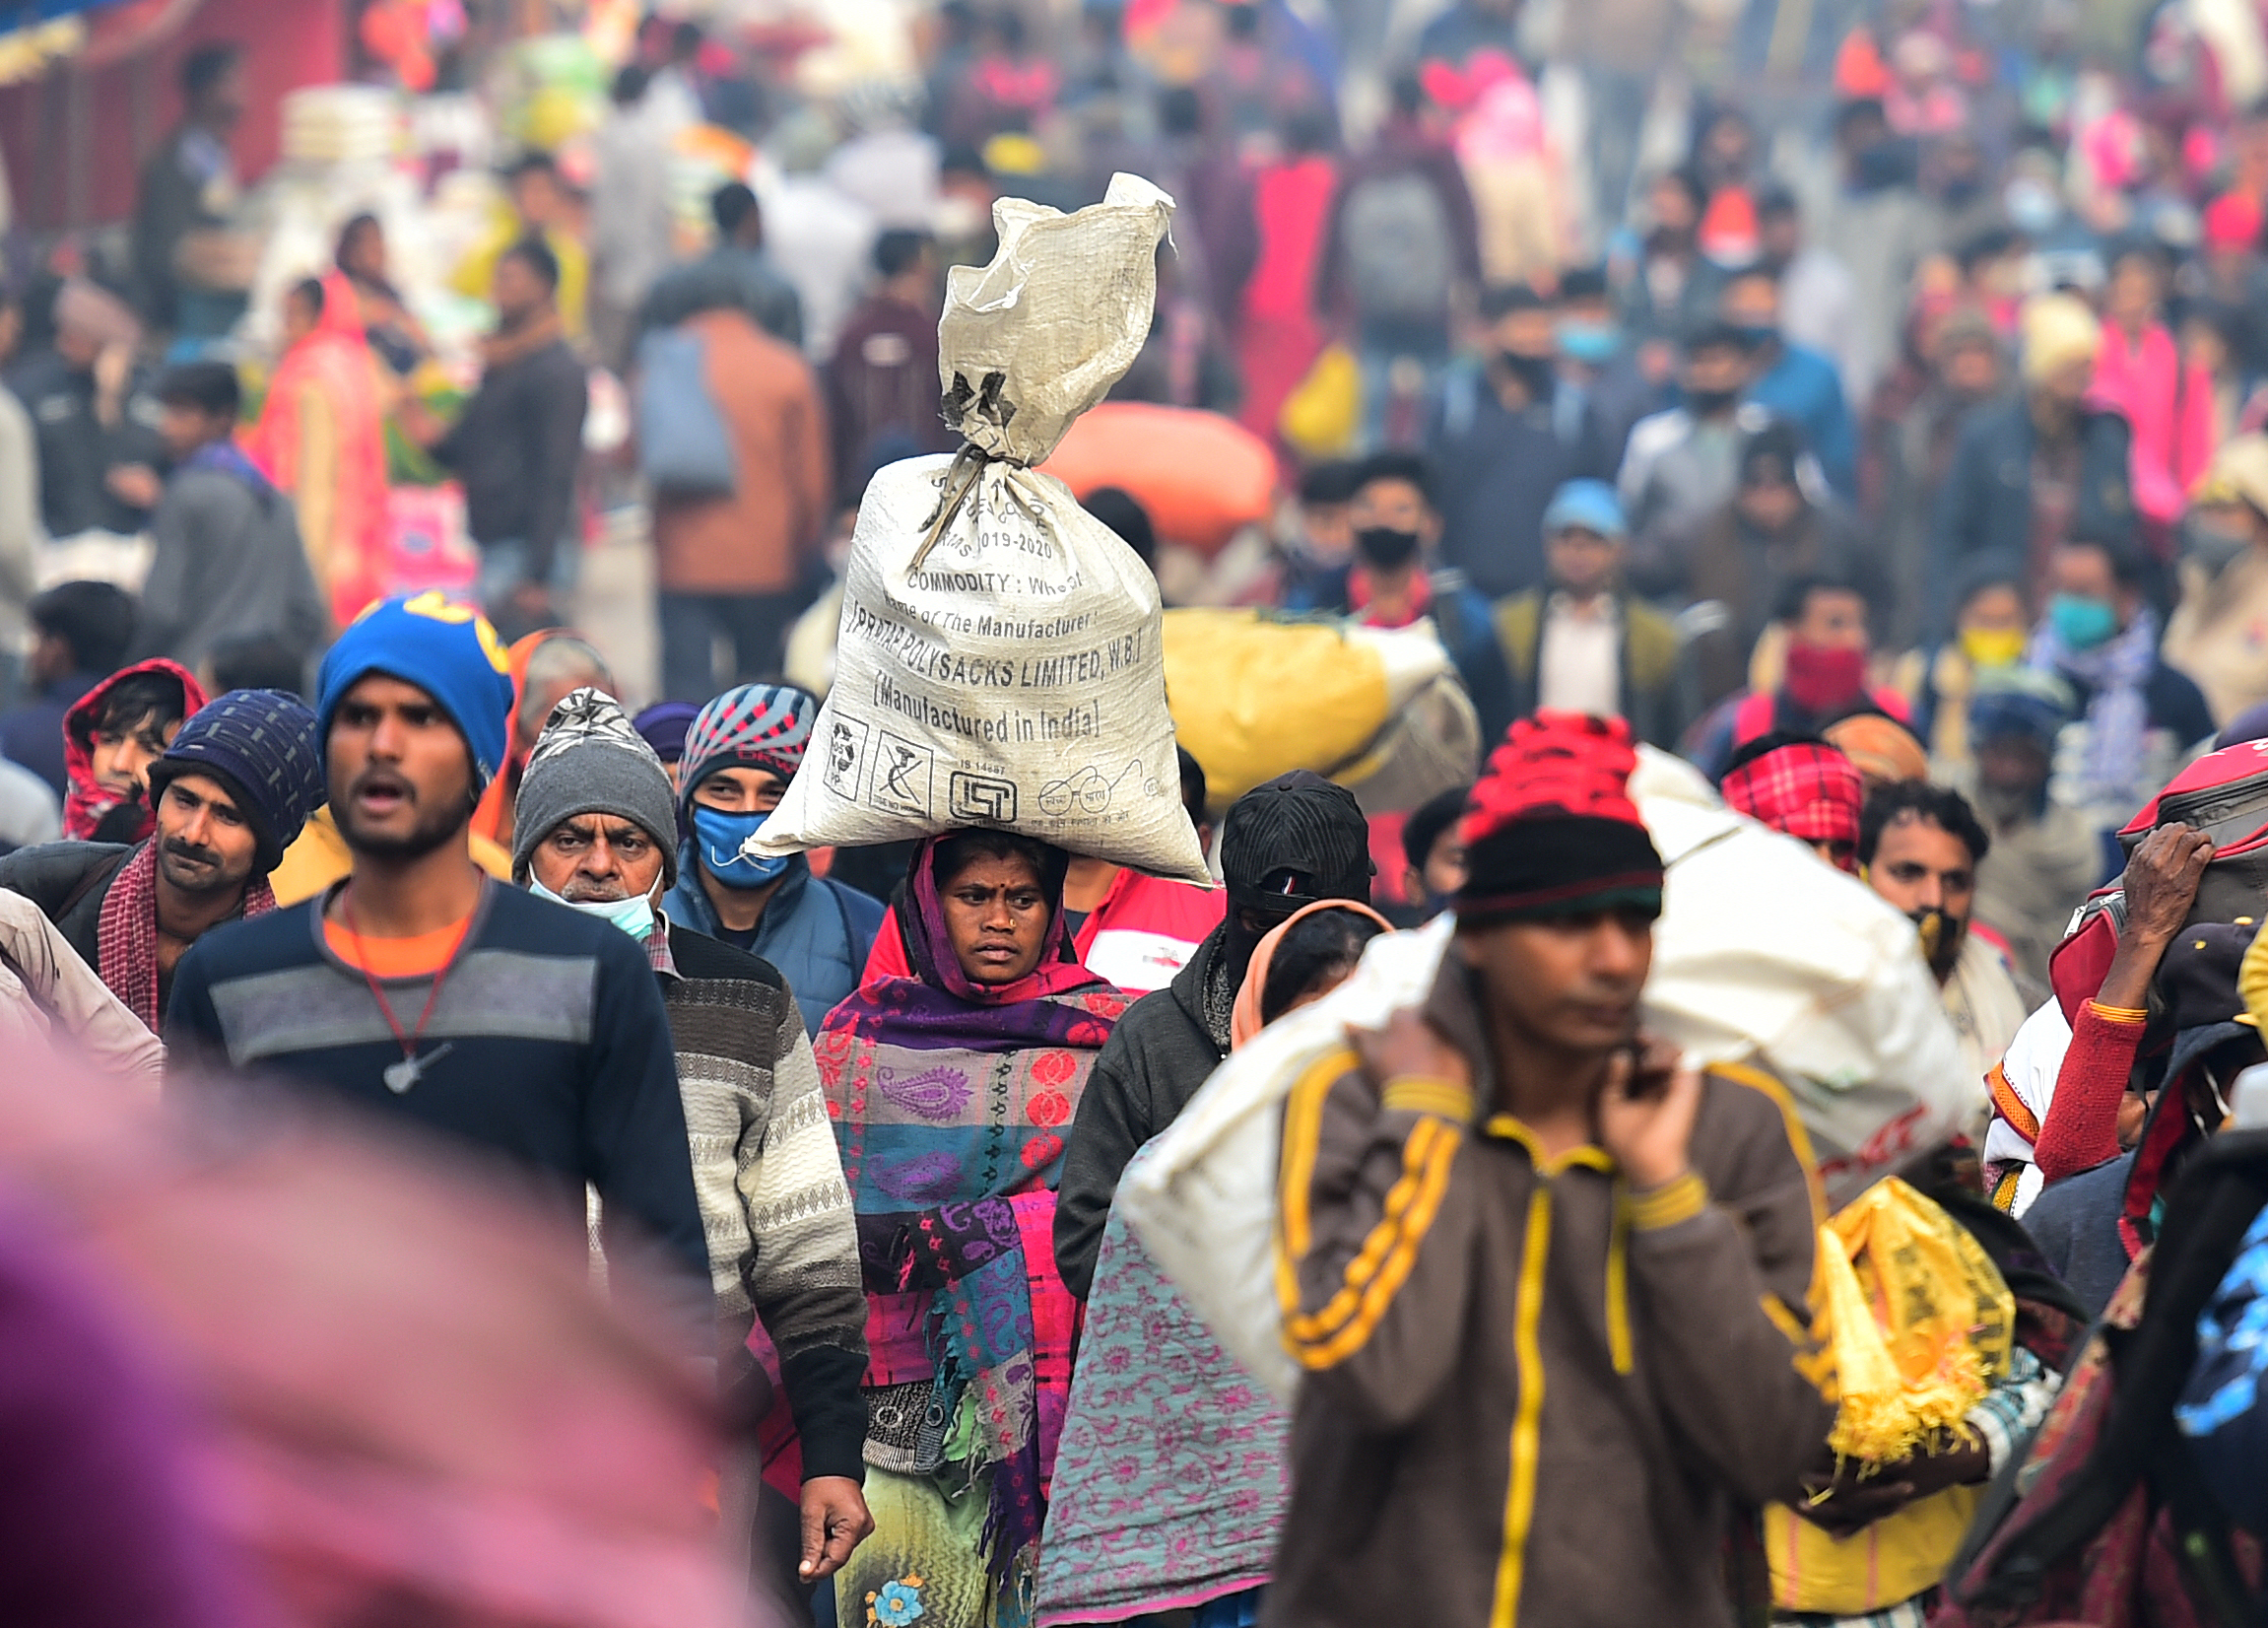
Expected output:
(2168, 407)
(1281, 339)
(334, 361)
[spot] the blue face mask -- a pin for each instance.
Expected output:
(634, 915)
(717, 837)
(1592, 342)
(2081, 623)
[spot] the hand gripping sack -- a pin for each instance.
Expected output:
(1828, 989)
(1205, 1199)
(999, 660)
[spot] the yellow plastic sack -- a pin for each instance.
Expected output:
(1914, 1324)
(1893, 1560)
(1253, 699)
(1321, 415)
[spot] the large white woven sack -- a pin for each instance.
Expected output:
(999, 660)
(1763, 949)
(1763, 952)
(1205, 1200)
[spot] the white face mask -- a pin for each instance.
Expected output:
(635, 915)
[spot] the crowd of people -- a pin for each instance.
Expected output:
(1858, 409)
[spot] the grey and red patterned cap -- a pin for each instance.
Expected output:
(753, 727)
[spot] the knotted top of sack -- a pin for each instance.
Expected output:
(1039, 335)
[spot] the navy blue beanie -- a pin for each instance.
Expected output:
(262, 746)
(445, 648)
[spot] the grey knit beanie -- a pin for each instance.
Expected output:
(590, 761)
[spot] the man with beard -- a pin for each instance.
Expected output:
(1287, 844)
(1919, 847)
(419, 989)
(1392, 582)
(230, 791)
(597, 832)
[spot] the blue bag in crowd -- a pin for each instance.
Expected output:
(684, 449)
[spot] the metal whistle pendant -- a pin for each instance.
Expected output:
(402, 1076)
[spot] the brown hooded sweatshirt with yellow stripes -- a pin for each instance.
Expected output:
(1532, 1395)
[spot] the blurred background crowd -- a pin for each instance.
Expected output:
(1733, 366)
(1867, 400)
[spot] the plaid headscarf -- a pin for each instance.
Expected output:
(1806, 788)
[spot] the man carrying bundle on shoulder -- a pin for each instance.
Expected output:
(1523, 1252)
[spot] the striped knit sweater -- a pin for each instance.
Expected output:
(781, 1242)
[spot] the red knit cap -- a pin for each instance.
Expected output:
(1807, 789)
(1551, 828)
(1557, 762)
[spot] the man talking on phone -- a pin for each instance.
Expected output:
(1547, 1285)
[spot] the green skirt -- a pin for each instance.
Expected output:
(920, 1567)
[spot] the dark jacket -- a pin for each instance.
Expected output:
(1529, 1388)
(1657, 692)
(1748, 572)
(882, 390)
(1498, 470)
(516, 448)
(31, 730)
(2075, 1223)
(229, 562)
(727, 278)
(76, 452)
(1401, 150)
(68, 881)
(546, 1045)
(1986, 504)
(1149, 1069)
(818, 932)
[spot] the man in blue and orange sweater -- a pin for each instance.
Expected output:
(419, 989)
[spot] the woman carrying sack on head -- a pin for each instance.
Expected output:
(951, 1092)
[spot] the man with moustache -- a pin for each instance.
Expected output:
(1919, 845)
(228, 794)
(419, 989)
(596, 831)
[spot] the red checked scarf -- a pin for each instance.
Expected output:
(126, 938)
